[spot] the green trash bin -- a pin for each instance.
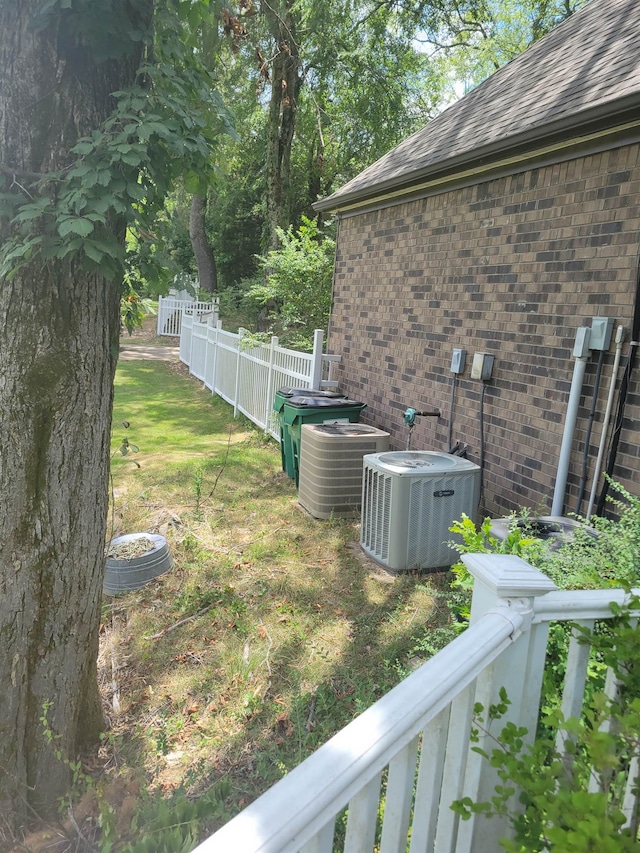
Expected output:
(314, 410)
(279, 400)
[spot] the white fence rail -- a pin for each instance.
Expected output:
(171, 309)
(398, 767)
(247, 376)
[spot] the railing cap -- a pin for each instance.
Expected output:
(508, 576)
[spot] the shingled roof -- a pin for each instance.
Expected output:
(581, 78)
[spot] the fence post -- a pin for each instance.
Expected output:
(236, 392)
(215, 356)
(498, 580)
(316, 364)
(269, 405)
(159, 323)
(193, 319)
(207, 355)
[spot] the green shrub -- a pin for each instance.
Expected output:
(602, 553)
(297, 288)
(558, 811)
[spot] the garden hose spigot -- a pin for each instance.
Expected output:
(409, 417)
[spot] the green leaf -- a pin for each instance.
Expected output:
(84, 146)
(136, 192)
(78, 225)
(93, 252)
(68, 248)
(80, 170)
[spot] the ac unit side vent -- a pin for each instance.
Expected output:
(434, 504)
(376, 502)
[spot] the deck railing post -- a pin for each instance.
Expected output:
(499, 580)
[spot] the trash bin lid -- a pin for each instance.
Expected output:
(308, 392)
(306, 402)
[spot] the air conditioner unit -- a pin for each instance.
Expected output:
(330, 481)
(409, 501)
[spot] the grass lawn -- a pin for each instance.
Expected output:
(271, 632)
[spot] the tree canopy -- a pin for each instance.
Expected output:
(320, 91)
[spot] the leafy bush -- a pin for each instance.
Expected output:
(297, 289)
(560, 810)
(133, 309)
(603, 552)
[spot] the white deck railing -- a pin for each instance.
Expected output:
(398, 767)
(247, 376)
(171, 309)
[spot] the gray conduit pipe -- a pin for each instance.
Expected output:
(581, 352)
(607, 416)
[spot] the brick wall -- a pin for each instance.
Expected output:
(511, 266)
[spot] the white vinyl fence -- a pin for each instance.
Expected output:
(399, 765)
(171, 309)
(248, 375)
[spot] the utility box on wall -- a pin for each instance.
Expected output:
(409, 501)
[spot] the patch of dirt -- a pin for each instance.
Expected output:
(374, 569)
(181, 369)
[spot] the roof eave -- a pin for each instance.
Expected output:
(605, 118)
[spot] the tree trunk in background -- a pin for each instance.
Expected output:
(58, 350)
(285, 86)
(207, 273)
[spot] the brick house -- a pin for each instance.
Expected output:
(502, 227)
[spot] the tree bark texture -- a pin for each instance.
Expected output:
(58, 350)
(207, 273)
(286, 81)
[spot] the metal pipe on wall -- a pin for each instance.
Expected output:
(581, 353)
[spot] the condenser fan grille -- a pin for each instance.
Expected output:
(376, 498)
(430, 518)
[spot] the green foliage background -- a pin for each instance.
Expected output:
(370, 74)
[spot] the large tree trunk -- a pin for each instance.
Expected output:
(207, 273)
(286, 81)
(58, 349)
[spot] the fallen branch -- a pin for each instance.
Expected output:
(220, 472)
(178, 624)
(115, 695)
(74, 824)
(266, 660)
(258, 538)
